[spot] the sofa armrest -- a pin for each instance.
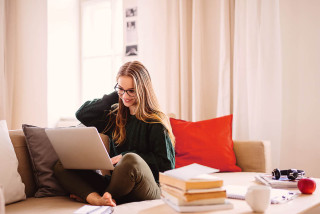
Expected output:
(253, 156)
(24, 162)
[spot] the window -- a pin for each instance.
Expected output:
(101, 46)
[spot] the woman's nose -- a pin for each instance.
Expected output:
(125, 95)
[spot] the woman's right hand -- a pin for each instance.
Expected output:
(116, 159)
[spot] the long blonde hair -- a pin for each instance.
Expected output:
(148, 108)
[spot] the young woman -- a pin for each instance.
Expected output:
(141, 143)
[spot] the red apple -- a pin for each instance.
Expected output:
(306, 185)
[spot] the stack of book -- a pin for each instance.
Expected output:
(187, 192)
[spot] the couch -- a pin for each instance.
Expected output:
(251, 156)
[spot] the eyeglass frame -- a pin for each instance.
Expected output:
(124, 91)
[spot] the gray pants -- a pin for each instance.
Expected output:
(131, 180)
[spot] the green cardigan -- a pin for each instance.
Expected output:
(149, 140)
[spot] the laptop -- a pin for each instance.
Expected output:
(80, 148)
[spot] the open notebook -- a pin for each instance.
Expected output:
(282, 183)
(85, 209)
(278, 196)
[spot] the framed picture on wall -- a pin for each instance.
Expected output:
(131, 32)
(130, 12)
(130, 28)
(131, 50)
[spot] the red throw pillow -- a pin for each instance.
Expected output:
(207, 142)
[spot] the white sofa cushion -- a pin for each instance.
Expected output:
(10, 179)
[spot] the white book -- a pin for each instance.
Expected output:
(180, 202)
(193, 171)
(198, 208)
(278, 196)
(175, 189)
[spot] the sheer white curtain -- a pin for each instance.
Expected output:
(257, 73)
(186, 46)
(7, 49)
(2, 61)
(215, 57)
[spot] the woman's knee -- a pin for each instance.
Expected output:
(131, 159)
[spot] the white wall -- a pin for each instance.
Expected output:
(29, 62)
(63, 59)
(301, 85)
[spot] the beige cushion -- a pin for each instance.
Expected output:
(24, 167)
(253, 156)
(54, 205)
(10, 179)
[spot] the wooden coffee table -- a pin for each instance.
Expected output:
(302, 204)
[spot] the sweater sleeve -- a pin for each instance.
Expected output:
(162, 156)
(94, 113)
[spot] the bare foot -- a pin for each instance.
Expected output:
(77, 198)
(106, 200)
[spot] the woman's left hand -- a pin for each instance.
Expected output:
(116, 159)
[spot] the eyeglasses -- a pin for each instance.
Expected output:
(121, 91)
